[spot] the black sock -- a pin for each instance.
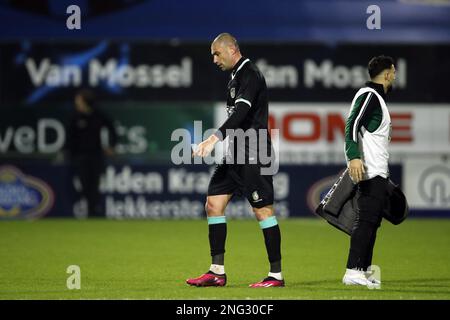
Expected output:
(272, 238)
(217, 236)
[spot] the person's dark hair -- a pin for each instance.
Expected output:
(378, 64)
(88, 96)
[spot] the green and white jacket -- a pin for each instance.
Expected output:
(368, 131)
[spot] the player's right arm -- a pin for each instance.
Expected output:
(359, 113)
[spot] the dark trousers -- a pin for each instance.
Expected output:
(89, 168)
(372, 196)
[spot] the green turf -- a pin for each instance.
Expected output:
(152, 259)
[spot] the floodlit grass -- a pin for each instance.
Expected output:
(151, 260)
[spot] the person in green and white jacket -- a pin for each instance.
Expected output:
(367, 137)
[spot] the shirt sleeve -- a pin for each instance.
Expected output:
(245, 97)
(248, 89)
(360, 113)
(107, 122)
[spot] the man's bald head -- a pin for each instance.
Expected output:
(227, 40)
(225, 51)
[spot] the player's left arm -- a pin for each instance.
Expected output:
(245, 97)
(113, 138)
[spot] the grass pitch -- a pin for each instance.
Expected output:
(152, 259)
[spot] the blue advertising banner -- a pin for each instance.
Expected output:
(29, 191)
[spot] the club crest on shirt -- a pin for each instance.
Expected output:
(232, 92)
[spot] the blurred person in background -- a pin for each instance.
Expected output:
(86, 151)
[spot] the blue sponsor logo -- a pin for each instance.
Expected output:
(23, 196)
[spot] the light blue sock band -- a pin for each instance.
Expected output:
(216, 220)
(269, 222)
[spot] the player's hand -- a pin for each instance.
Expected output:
(206, 147)
(356, 170)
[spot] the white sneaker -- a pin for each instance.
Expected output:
(358, 278)
(371, 278)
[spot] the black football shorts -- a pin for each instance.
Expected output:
(242, 180)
